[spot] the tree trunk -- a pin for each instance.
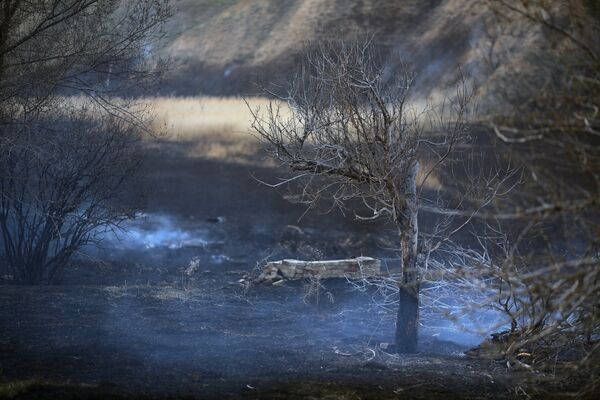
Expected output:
(408, 309)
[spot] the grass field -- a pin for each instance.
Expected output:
(188, 117)
(215, 127)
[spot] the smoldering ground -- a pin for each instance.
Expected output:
(128, 320)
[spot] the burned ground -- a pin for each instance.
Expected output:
(128, 322)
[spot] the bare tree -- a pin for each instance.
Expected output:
(353, 137)
(68, 144)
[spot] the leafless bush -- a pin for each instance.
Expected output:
(314, 290)
(60, 183)
(548, 321)
(65, 159)
(536, 259)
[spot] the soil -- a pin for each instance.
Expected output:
(128, 322)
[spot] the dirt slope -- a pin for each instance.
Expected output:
(224, 47)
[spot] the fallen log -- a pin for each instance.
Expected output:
(297, 269)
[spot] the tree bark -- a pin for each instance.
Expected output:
(408, 308)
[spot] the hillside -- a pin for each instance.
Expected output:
(227, 47)
(231, 47)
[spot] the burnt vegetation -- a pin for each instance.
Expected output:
(482, 203)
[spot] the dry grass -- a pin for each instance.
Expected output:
(189, 118)
(218, 127)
